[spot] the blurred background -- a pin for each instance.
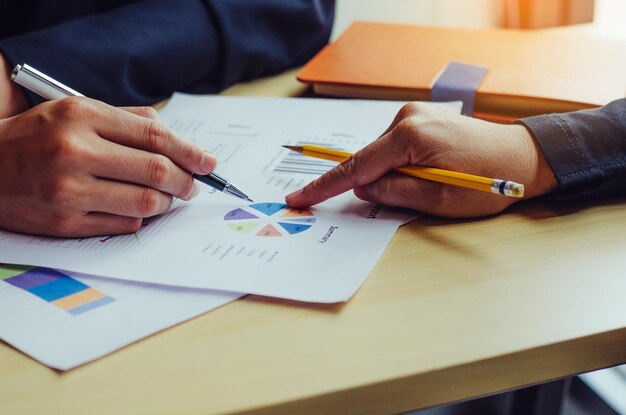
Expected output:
(607, 17)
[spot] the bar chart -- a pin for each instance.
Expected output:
(54, 287)
(297, 163)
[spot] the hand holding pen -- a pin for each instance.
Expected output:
(78, 167)
(49, 88)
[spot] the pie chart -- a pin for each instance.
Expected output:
(269, 219)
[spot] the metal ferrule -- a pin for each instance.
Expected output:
(40, 83)
(502, 187)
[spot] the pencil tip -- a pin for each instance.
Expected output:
(297, 149)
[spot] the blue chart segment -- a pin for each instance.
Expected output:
(268, 208)
(269, 219)
(293, 227)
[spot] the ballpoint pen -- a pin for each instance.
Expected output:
(499, 186)
(50, 89)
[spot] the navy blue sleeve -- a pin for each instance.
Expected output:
(585, 149)
(141, 53)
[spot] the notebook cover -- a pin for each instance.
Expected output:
(530, 72)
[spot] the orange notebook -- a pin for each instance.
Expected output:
(530, 72)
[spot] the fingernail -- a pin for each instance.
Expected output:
(291, 196)
(208, 162)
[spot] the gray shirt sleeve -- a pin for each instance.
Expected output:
(585, 149)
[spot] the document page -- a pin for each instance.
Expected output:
(216, 241)
(66, 319)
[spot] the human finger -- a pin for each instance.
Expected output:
(92, 224)
(144, 133)
(97, 223)
(430, 197)
(140, 167)
(123, 199)
(363, 167)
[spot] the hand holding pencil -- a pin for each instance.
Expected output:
(457, 157)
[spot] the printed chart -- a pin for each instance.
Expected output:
(294, 162)
(269, 220)
(54, 287)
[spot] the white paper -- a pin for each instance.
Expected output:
(215, 240)
(117, 314)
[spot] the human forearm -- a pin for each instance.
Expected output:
(425, 136)
(574, 154)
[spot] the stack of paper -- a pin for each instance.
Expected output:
(321, 254)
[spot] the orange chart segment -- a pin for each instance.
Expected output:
(269, 220)
(269, 230)
(297, 213)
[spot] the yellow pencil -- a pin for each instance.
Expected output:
(501, 187)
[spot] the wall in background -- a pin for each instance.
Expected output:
(609, 15)
(536, 14)
(460, 13)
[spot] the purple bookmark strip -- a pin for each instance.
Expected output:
(459, 82)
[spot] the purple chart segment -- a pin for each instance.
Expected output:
(55, 288)
(34, 278)
(239, 214)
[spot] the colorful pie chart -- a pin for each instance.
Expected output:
(269, 219)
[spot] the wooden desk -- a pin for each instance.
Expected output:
(454, 310)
